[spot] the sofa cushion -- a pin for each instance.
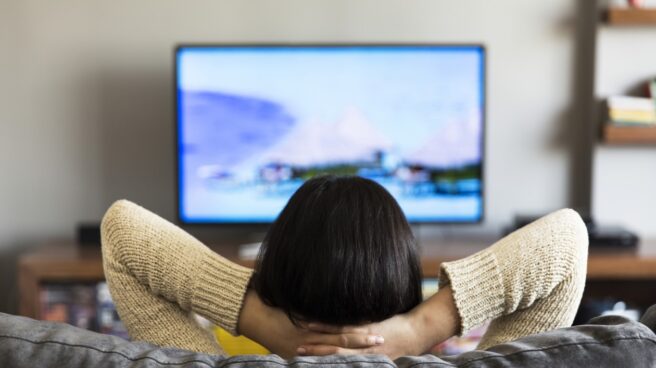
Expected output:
(609, 341)
(605, 342)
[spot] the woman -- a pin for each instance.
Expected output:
(340, 253)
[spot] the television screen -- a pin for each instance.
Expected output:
(254, 122)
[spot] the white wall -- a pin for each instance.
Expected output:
(624, 178)
(86, 115)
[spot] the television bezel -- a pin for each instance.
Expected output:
(176, 119)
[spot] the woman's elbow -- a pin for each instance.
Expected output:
(570, 239)
(115, 224)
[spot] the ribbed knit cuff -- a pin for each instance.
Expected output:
(477, 288)
(219, 291)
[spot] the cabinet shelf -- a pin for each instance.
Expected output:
(631, 16)
(629, 135)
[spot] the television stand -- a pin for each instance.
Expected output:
(630, 276)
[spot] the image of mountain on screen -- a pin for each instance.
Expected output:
(447, 163)
(351, 141)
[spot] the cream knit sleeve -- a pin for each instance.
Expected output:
(157, 274)
(528, 282)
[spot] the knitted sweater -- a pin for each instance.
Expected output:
(528, 282)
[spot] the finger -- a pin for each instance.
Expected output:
(320, 350)
(348, 340)
(324, 328)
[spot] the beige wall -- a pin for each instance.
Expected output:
(86, 92)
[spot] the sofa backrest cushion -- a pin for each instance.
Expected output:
(605, 342)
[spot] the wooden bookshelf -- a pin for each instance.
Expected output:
(631, 16)
(55, 263)
(627, 274)
(629, 135)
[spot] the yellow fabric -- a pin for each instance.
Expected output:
(528, 282)
(238, 345)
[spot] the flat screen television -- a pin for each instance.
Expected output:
(254, 121)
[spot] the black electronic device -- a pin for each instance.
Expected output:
(88, 234)
(612, 237)
(600, 236)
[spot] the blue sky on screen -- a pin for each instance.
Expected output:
(415, 91)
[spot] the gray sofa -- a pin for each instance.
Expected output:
(608, 341)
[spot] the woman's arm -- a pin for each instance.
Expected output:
(157, 274)
(528, 282)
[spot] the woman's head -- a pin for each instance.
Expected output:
(340, 252)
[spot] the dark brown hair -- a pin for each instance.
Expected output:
(341, 252)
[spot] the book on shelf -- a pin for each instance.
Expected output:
(628, 110)
(632, 120)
